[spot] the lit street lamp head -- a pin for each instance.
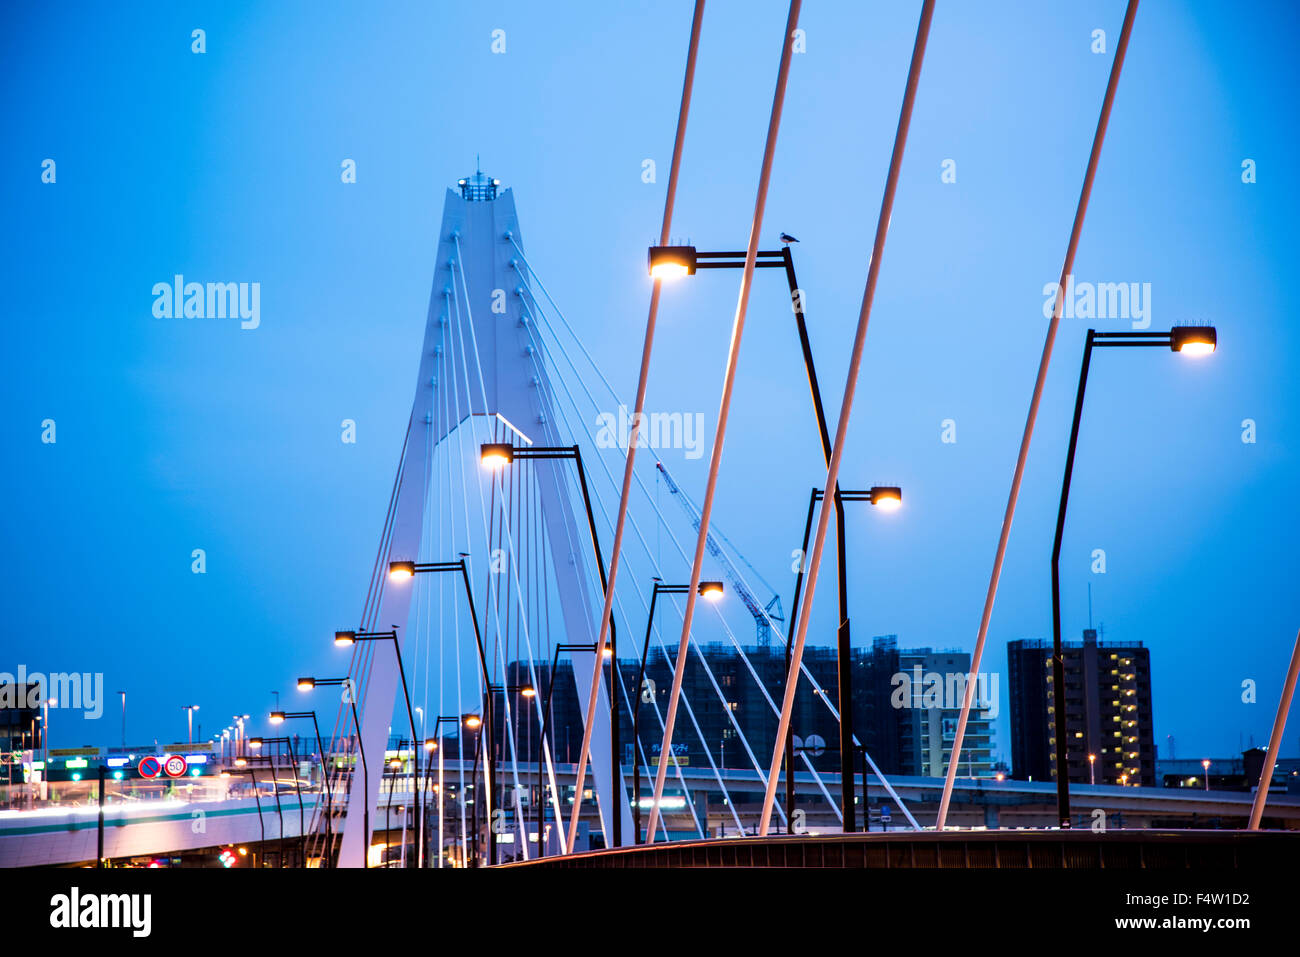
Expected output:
(254, 743)
(528, 691)
(277, 717)
(430, 744)
(712, 591)
(401, 571)
(1193, 340)
(345, 638)
(306, 684)
(240, 761)
(496, 455)
(672, 262)
(473, 721)
(887, 497)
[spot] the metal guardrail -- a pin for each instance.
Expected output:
(1012, 849)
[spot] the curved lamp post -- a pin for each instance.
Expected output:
(308, 684)
(344, 639)
(400, 572)
(1185, 340)
(261, 824)
(887, 498)
(256, 743)
(670, 262)
(279, 717)
(496, 456)
(545, 726)
(712, 591)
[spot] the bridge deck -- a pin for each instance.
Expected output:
(1049, 850)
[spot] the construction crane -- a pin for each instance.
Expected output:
(764, 615)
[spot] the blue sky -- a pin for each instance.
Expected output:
(225, 165)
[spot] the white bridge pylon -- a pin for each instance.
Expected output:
(478, 382)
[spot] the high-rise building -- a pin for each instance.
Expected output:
(1108, 717)
(905, 733)
(929, 692)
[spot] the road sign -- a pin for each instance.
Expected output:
(150, 767)
(175, 765)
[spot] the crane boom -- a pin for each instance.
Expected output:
(764, 615)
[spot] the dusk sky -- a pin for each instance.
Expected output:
(176, 435)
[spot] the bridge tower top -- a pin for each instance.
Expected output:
(478, 187)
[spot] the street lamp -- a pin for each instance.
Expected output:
(190, 709)
(1092, 769)
(279, 717)
(345, 638)
(45, 728)
(308, 684)
(672, 262)
(1193, 340)
(887, 498)
(435, 744)
(712, 591)
(279, 811)
(473, 722)
(547, 715)
(1185, 340)
(255, 744)
(237, 728)
(784, 259)
(252, 774)
(529, 692)
(400, 572)
(1206, 766)
(495, 456)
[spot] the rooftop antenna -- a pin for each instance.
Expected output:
(1090, 605)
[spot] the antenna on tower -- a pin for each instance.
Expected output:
(1090, 604)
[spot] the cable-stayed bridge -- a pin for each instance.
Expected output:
(510, 542)
(502, 369)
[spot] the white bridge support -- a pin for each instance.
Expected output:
(482, 227)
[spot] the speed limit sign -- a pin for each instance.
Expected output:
(175, 765)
